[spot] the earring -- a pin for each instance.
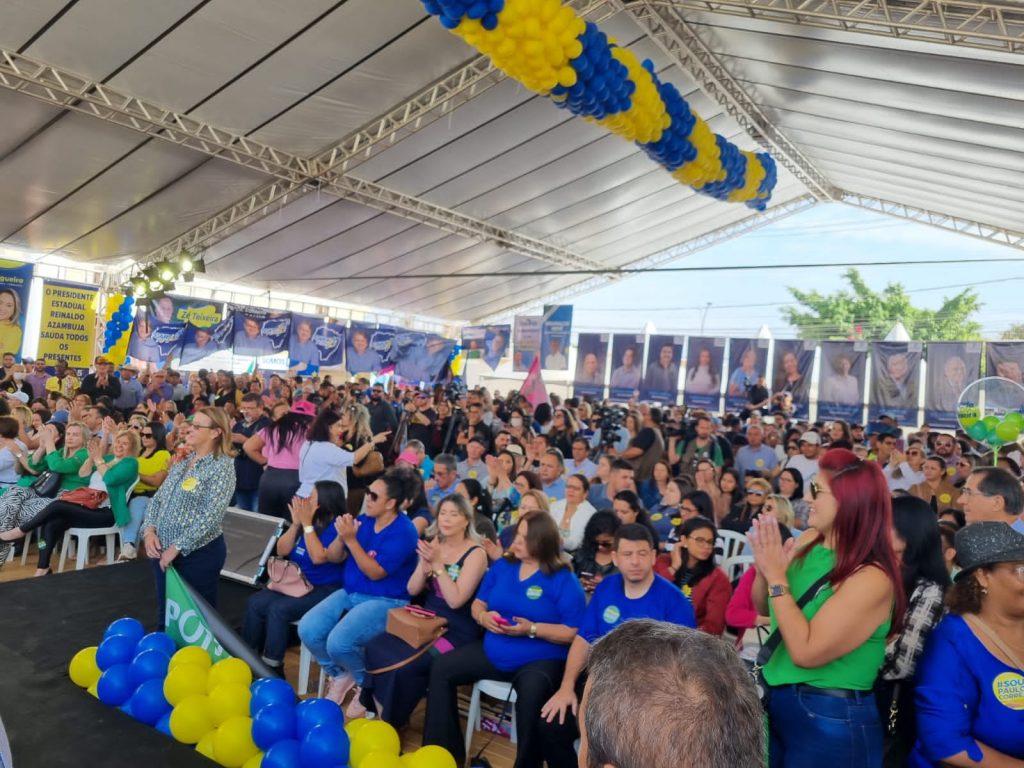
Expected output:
(984, 590)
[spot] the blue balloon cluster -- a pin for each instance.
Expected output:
(771, 177)
(674, 149)
(602, 86)
(452, 12)
(310, 734)
(735, 165)
(134, 665)
(119, 322)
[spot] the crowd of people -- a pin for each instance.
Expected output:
(878, 592)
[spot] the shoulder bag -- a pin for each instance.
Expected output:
(371, 466)
(89, 498)
(416, 627)
(775, 638)
(285, 576)
(46, 484)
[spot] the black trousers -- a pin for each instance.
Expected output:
(558, 739)
(57, 517)
(534, 684)
(277, 489)
(201, 570)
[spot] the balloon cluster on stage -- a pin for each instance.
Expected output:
(232, 720)
(991, 411)
(550, 50)
(118, 322)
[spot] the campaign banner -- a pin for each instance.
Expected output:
(792, 364)
(486, 342)
(841, 380)
(1005, 359)
(15, 282)
(895, 380)
(201, 341)
(419, 356)
(556, 330)
(952, 365)
(153, 342)
(661, 376)
(315, 343)
(703, 384)
(259, 332)
(627, 366)
(591, 357)
(169, 310)
(67, 323)
(748, 362)
(473, 343)
(526, 342)
(360, 357)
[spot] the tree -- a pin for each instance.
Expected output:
(861, 313)
(1014, 332)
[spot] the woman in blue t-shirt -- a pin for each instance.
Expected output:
(312, 543)
(530, 606)
(381, 555)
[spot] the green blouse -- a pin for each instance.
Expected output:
(119, 478)
(66, 467)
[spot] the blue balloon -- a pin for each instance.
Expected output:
(148, 703)
(274, 723)
(324, 747)
(116, 649)
(157, 641)
(164, 725)
(268, 691)
(149, 665)
(284, 754)
(128, 301)
(115, 685)
(312, 712)
(126, 626)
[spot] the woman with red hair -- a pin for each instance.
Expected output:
(845, 572)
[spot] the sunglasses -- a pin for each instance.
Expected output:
(374, 496)
(147, 434)
(755, 493)
(604, 544)
(817, 490)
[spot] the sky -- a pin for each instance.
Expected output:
(744, 301)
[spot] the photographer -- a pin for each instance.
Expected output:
(647, 446)
(702, 446)
(610, 430)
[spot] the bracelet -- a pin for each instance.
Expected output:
(308, 529)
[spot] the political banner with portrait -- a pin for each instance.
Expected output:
(748, 361)
(260, 332)
(895, 380)
(152, 341)
(526, 342)
(952, 365)
(841, 381)
(556, 330)
(486, 342)
(169, 310)
(200, 341)
(1005, 359)
(418, 356)
(368, 348)
(315, 343)
(627, 366)
(660, 383)
(702, 386)
(67, 323)
(15, 282)
(792, 364)
(591, 356)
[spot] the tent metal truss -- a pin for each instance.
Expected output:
(985, 25)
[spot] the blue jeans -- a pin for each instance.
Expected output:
(247, 500)
(137, 507)
(338, 641)
(269, 616)
(809, 730)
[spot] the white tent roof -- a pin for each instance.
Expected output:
(434, 164)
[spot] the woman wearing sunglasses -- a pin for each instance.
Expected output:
(154, 463)
(820, 676)
(743, 514)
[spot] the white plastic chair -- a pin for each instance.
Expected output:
(496, 690)
(735, 567)
(305, 666)
(732, 545)
(24, 547)
(82, 536)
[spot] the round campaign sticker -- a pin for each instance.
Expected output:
(189, 484)
(945, 498)
(759, 462)
(950, 471)
(472, 473)
(611, 614)
(534, 592)
(688, 590)
(1009, 689)
(677, 521)
(656, 517)
(453, 571)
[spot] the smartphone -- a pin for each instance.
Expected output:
(586, 575)
(415, 610)
(501, 621)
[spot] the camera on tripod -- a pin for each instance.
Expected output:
(609, 422)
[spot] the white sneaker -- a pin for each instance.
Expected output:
(337, 687)
(355, 709)
(128, 552)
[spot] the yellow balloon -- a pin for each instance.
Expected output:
(94, 690)
(432, 756)
(375, 736)
(205, 745)
(229, 671)
(381, 760)
(352, 727)
(229, 700)
(183, 681)
(255, 761)
(190, 654)
(233, 744)
(190, 720)
(82, 669)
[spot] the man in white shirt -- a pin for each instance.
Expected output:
(555, 359)
(904, 470)
(810, 452)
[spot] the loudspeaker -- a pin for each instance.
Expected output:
(250, 538)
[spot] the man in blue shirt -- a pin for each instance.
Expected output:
(755, 456)
(446, 477)
(635, 592)
(552, 469)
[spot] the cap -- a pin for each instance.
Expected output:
(128, 367)
(61, 417)
(987, 544)
(19, 395)
(101, 360)
(303, 407)
(408, 457)
(514, 449)
(811, 437)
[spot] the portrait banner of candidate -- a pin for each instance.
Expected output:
(841, 380)
(418, 356)
(152, 341)
(1005, 359)
(748, 363)
(201, 341)
(627, 366)
(951, 366)
(260, 332)
(555, 331)
(591, 357)
(526, 342)
(489, 343)
(15, 282)
(702, 384)
(660, 382)
(315, 343)
(167, 310)
(473, 341)
(895, 380)
(792, 364)
(359, 356)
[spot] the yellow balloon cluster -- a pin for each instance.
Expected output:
(646, 119)
(755, 175)
(707, 166)
(83, 669)
(532, 43)
(375, 744)
(118, 352)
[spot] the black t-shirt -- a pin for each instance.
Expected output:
(644, 439)
(422, 432)
(757, 394)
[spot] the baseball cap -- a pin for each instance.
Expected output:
(20, 396)
(514, 449)
(408, 457)
(303, 407)
(61, 417)
(813, 438)
(987, 543)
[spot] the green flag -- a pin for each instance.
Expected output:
(186, 620)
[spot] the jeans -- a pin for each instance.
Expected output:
(269, 615)
(247, 500)
(137, 507)
(809, 730)
(338, 641)
(201, 569)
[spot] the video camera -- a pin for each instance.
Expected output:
(455, 390)
(609, 422)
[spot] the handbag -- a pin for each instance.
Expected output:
(773, 641)
(371, 466)
(46, 484)
(85, 497)
(285, 576)
(415, 627)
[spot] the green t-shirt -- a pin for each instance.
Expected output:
(854, 671)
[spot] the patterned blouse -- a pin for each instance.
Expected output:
(188, 509)
(924, 611)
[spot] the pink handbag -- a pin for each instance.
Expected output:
(286, 577)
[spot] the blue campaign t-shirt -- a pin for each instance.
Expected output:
(665, 520)
(609, 607)
(541, 599)
(394, 549)
(325, 573)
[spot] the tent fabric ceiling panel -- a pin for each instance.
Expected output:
(21, 19)
(22, 117)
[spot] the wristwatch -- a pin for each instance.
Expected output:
(533, 631)
(777, 590)
(308, 529)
